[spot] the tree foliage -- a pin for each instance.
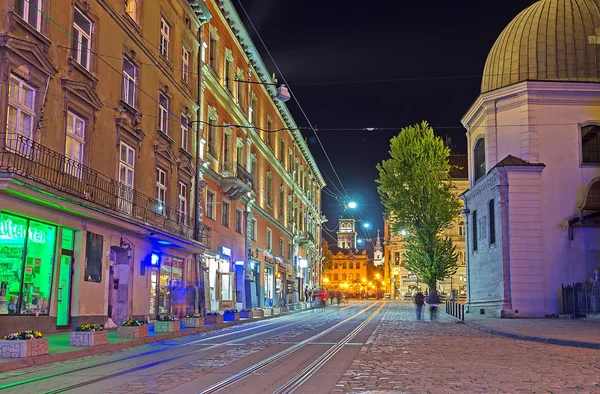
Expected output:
(327, 257)
(417, 193)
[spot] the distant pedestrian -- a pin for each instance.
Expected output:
(433, 300)
(331, 296)
(306, 295)
(419, 301)
(338, 294)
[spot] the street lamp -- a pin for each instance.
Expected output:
(366, 225)
(352, 205)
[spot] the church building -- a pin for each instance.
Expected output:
(533, 205)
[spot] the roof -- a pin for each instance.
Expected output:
(460, 169)
(552, 40)
(512, 161)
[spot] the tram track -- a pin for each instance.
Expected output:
(249, 371)
(29, 381)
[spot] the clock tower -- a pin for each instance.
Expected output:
(378, 252)
(346, 234)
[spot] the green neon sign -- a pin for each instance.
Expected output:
(17, 231)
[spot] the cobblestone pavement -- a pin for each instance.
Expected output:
(408, 356)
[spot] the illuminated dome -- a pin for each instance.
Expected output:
(552, 40)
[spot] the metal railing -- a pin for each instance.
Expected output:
(22, 156)
(236, 170)
(580, 299)
(455, 309)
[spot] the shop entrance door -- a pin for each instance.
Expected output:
(63, 313)
(153, 292)
(226, 301)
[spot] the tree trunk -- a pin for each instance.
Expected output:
(432, 285)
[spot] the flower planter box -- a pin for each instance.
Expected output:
(258, 313)
(166, 326)
(267, 311)
(276, 310)
(24, 348)
(132, 332)
(292, 307)
(193, 322)
(231, 316)
(303, 305)
(92, 338)
(246, 315)
(285, 309)
(213, 319)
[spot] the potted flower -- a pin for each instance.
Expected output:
(213, 318)
(292, 307)
(257, 312)
(193, 320)
(246, 314)
(276, 310)
(267, 311)
(231, 315)
(23, 344)
(166, 323)
(88, 334)
(284, 308)
(133, 329)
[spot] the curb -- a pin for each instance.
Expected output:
(552, 341)
(19, 363)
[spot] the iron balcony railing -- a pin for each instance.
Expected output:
(236, 170)
(24, 157)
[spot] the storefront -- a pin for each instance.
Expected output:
(221, 279)
(167, 286)
(281, 282)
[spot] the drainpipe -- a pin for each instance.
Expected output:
(200, 299)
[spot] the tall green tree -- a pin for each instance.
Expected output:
(415, 188)
(327, 257)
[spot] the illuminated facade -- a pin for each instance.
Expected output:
(402, 283)
(98, 162)
(350, 272)
(346, 234)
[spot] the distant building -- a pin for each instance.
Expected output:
(398, 280)
(533, 138)
(346, 234)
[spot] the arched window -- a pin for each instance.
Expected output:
(590, 144)
(336, 277)
(479, 155)
(350, 277)
(461, 228)
(351, 266)
(343, 276)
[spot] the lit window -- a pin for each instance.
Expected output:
(182, 204)
(131, 9)
(30, 11)
(185, 133)
(20, 117)
(82, 38)
(161, 190)
(163, 113)
(212, 136)
(129, 82)
(479, 154)
(165, 30)
(185, 65)
(75, 143)
(461, 228)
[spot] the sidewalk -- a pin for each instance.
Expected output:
(565, 332)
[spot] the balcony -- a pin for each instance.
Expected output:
(306, 238)
(236, 180)
(35, 162)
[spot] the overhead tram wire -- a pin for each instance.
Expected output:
(293, 95)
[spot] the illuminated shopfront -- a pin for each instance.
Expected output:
(167, 285)
(27, 255)
(221, 280)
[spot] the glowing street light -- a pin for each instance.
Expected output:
(352, 205)
(366, 225)
(359, 241)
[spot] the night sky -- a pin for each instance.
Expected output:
(436, 48)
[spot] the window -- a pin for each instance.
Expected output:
(289, 254)
(28, 10)
(290, 161)
(343, 276)
(227, 148)
(238, 221)
(461, 228)
(182, 204)
(131, 9)
(212, 53)
(336, 265)
(344, 265)
(210, 204)
(239, 88)
(281, 201)
(126, 177)
(185, 65)
(269, 239)
(82, 38)
(357, 265)
(281, 151)
(270, 136)
(212, 136)
(21, 105)
(474, 224)
(239, 154)
(163, 113)
(161, 190)
(351, 265)
(227, 74)
(225, 213)
(269, 186)
(336, 277)
(165, 30)
(491, 213)
(253, 109)
(281, 247)
(75, 143)
(350, 277)
(185, 133)
(590, 144)
(253, 230)
(129, 81)
(479, 155)
(253, 168)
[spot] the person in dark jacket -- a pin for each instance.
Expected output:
(419, 301)
(433, 300)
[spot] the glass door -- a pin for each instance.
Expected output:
(64, 291)
(153, 292)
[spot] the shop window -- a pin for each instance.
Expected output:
(82, 39)
(26, 265)
(93, 258)
(171, 288)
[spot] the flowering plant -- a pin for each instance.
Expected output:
(90, 327)
(133, 323)
(193, 316)
(167, 318)
(213, 314)
(23, 335)
(230, 311)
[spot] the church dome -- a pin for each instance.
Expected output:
(552, 40)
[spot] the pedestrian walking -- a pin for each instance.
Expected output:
(331, 296)
(433, 300)
(419, 301)
(306, 295)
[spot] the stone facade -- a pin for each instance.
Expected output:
(96, 338)
(26, 348)
(192, 322)
(132, 332)
(166, 326)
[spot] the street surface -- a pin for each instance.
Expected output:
(374, 346)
